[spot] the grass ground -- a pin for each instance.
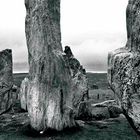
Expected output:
(99, 79)
(100, 95)
(18, 77)
(112, 129)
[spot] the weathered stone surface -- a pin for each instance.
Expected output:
(100, 113)
(79, 87)
(106, 109)
(84, 111)
(124, 68)
(23, 93)
(57, 82)
(106, 103)
(114, 111)
(6, 80)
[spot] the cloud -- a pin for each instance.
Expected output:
(16, 42)
(88, 26)
(92, 49)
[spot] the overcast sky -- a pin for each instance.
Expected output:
(90, 27)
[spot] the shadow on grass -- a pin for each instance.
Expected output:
(29, 132)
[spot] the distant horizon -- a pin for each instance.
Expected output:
(16, 72)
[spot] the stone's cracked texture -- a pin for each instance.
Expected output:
(6, 80)
(106, 109)
(56, 79)
(124, 68)
(23, 93)
(79, 86)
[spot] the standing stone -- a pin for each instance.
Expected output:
(23, 93)
(79, 87)
(51, 76)
(6, 80)
(124, 68)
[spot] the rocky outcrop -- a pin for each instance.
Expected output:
(23, 93)
(6, 80)
(57, 81)
(106, 109)
(124, 68)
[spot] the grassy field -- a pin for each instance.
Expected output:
(18, 77)
(99, 79)
(100, 95)
(112, 129)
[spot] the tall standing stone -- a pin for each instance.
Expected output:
(50, 92)
(124, 68)
(6, 80)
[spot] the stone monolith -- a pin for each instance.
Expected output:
(124, 68)
(51, 96)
